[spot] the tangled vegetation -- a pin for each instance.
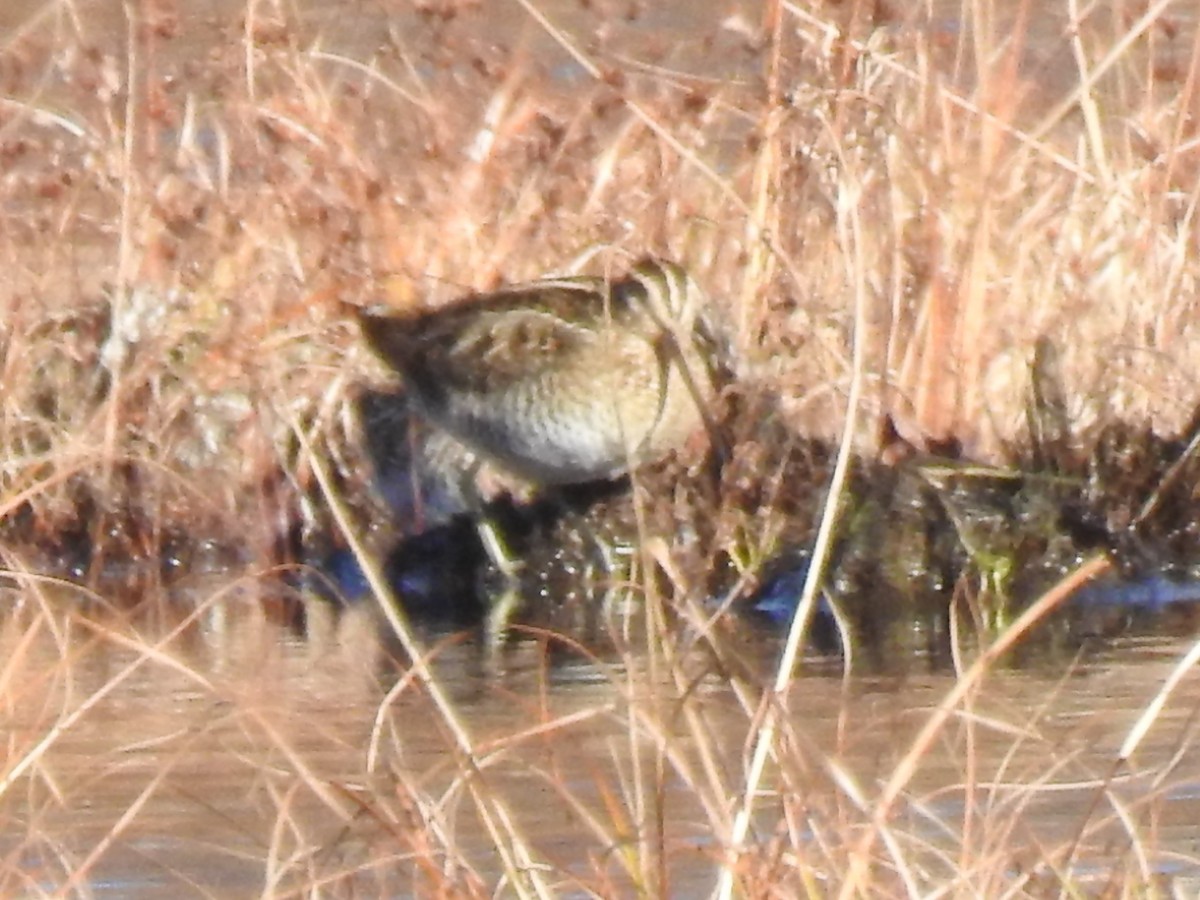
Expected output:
(890, 212)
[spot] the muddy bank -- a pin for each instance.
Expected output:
(713, 530)
(918, 534)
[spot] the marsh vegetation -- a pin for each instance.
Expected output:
(951, 251)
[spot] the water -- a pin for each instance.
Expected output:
(233, 754)
(210, 745)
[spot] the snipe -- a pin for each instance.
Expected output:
(563, 380)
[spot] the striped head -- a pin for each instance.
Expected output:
(667, 293)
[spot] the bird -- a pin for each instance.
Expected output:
(563, 380)
(560, 381)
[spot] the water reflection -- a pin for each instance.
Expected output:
(158, 754)
(211, 745)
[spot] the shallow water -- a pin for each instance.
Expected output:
(245, 755)
(241, 755)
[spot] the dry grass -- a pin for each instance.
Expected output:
(207, 750)
(187, 204)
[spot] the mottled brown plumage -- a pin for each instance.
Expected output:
(563, 380)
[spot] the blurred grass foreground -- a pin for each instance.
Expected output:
(891, 206)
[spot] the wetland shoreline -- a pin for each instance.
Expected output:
(986, 224)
